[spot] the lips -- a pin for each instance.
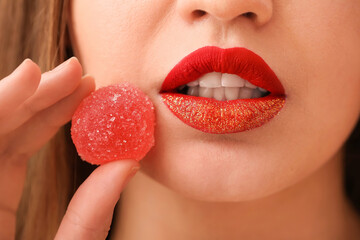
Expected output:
(220, 117)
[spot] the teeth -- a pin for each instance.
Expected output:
(193, 91)
(193, 84)
(206, 92)
(232, 80)
(219, 93)
(245, 92)
(256, 94)
(216, 80)
(223, 94)
(262, 90)
(210, 80)
(249, 85)
(223, 86)
(232, 93)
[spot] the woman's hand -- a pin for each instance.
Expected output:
(33, 106)
(90, 211)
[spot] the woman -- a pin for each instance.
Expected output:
(281, 179)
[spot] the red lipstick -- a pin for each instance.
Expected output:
(213, 116)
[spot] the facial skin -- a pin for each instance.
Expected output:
(312, 46)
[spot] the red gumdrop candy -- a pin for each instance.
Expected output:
(113, 123)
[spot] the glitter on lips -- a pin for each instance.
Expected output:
(113, 123)
(222, 117)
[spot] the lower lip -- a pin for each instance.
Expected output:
(220, 117)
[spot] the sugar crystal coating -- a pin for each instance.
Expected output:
(113, 123)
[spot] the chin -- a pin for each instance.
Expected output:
(213, 172)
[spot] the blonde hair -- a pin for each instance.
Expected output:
(36, 29)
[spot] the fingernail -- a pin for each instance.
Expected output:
(19, 68)
(87, 76)
(131, 174)
(63, 65)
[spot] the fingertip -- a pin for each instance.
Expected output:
(125, 162)
(68, 72)
(30, 65)
(85, 88)
(132, 167)
(73, 58)
(133, 163)
(120, 171)
(93, 203)
(89, 81)
(107, 181)
(70, 67)
(125, 167)
(29, 73)
(27, 61)
(75, 67)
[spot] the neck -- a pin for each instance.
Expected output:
(315, 208)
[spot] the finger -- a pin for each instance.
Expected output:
(90, 211)
(39, 129)
(18, 86)
(54, 86)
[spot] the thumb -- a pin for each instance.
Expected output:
(90, 211)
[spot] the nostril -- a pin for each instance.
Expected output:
(249, 15)
(198, 13)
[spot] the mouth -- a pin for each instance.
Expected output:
(223, 91)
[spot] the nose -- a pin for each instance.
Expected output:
(259, 11)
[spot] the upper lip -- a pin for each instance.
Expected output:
(239, 61)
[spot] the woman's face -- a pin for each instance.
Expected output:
(312, 46)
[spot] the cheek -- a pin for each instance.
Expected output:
(325, 95)
(111, 37)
